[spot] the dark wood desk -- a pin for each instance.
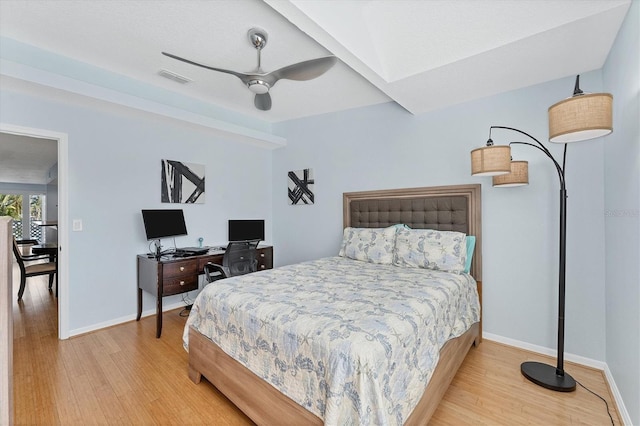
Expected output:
(175, 275)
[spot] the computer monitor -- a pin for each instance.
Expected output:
(164, 223)
(243, 230)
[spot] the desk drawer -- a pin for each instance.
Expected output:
(188, 267)
(265, 258)
(177, 285)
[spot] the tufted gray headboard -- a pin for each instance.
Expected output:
(445, 208)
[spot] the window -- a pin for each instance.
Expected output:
(26, 210)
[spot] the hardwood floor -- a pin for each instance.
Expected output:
(124, 375)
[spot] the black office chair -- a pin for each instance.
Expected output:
(49, 268)
(240, 257)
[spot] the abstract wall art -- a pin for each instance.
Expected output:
(182, 182)
(301, 187)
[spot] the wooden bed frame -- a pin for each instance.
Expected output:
(264, 404)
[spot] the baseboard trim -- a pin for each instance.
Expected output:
(626, 417)
(545, 351)
(126, 318)
(599, 365)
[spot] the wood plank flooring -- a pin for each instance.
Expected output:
(124, 375)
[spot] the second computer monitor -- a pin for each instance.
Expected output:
(242, 230)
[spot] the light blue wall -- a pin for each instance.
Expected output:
(114, 172)
(385, 147)
(622, 221)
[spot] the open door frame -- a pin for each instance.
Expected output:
(63, 221)
(6, 324)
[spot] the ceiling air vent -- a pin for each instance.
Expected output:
(175, 77)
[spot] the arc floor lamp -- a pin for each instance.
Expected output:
(579, 118)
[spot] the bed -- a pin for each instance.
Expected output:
(339, 340)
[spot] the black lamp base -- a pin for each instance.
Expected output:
(545, 375)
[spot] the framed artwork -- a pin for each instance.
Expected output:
(182, 182)
(301, 187)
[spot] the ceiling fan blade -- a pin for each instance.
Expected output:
(263, 101)
(306, 70)
(241, 76)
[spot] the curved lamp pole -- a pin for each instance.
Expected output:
(543, 374)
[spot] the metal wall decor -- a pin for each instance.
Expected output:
(182, 182)
(301, 187)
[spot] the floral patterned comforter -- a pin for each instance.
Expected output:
(353, 342)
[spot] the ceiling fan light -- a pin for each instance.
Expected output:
(519, 175)
(581, 118)
(258, 87)
(491, 160)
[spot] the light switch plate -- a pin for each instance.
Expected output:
(77, 225)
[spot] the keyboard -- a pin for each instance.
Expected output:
(193, 250)
(182, 254)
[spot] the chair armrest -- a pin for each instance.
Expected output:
(27, 242)
(32, 257)
(214, 272)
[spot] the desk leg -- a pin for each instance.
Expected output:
(139, 304)
(158, 317)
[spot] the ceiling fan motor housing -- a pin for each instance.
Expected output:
(258, 87)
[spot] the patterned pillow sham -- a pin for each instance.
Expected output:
(430, 249)
(373, 245)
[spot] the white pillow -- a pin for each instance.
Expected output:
(373, 245)
(430, 249)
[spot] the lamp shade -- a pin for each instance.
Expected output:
(580, 118)
(519, 175)
(491, 160)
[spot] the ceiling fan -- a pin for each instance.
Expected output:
(260, 82)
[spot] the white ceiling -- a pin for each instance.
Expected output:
(26, 160)
(421, 54)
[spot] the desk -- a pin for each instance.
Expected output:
(168, 275)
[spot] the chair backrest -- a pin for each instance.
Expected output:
(241, 257)
(18, 254)
(17, 244)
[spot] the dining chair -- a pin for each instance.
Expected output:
(31, 270)
(240, 257)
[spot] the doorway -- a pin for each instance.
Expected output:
(61, 196)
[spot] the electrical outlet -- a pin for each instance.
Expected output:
(77, 225)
